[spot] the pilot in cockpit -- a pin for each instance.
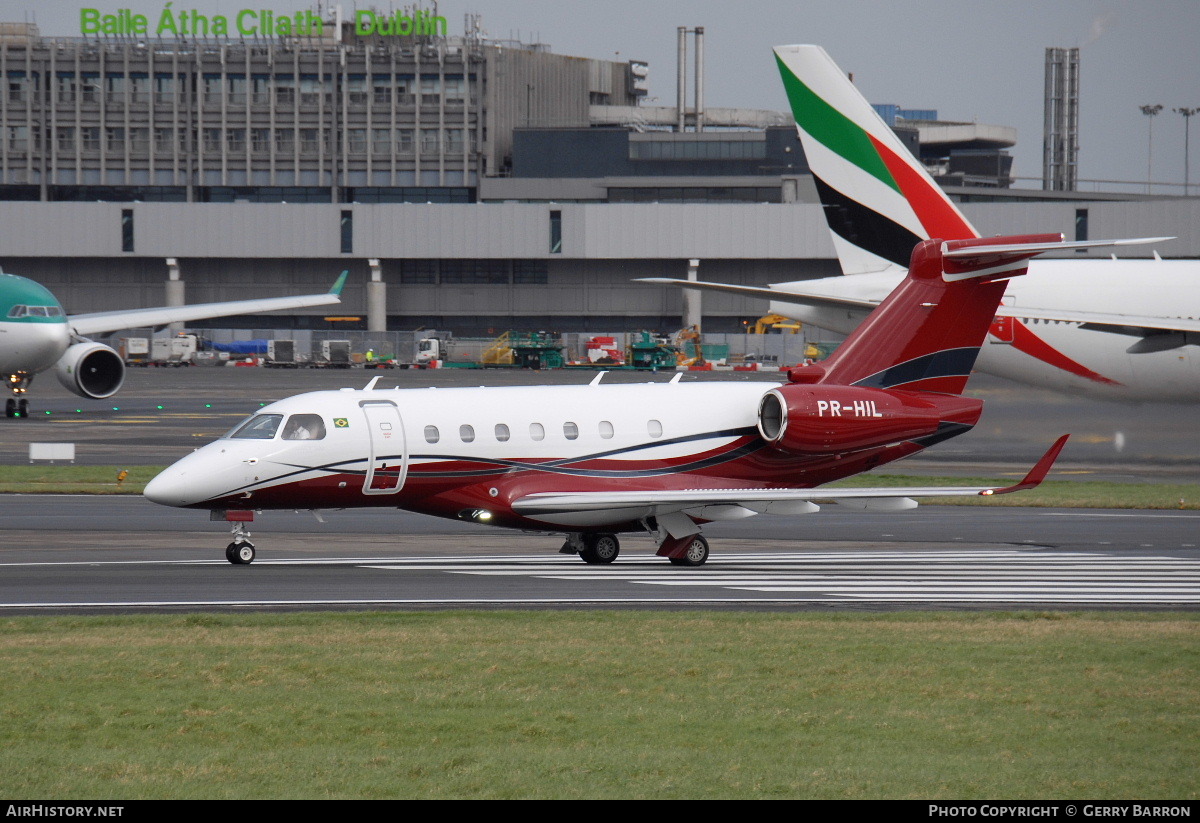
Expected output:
(304, 427)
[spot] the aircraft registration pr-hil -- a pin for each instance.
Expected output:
(1114, 329)
(37, 335)
(597, 460)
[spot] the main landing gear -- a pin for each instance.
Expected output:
(592, 548)
(603, 548)
(695, 552)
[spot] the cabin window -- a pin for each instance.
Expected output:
(570, 431)
(606, 430)
(537, 431)
(432, 435)
(304, 427)
(654, 428)
(502, 433)
(466, 433)
(258, 427)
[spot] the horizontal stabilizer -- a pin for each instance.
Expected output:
(988, 245)
(1007, 256)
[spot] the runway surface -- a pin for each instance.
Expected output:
(85, 555)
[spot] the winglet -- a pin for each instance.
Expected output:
(341, 281)
(1038, 473)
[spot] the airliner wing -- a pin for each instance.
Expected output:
(777, 294)
(108, 321)
(1133, 325)
(763, 501)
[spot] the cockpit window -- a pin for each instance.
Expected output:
(35, 311)
(258, 427)
(304, 427)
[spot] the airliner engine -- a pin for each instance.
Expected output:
(91, 369)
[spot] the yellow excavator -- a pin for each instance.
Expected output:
(690, 351)
(767, 322)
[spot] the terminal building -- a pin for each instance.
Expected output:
(479, 185)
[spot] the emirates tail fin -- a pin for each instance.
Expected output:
(878, 199)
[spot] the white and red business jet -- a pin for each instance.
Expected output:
(592, 461)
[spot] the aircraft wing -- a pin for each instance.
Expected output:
(1157, 333)
(1183, 330)
(695, 502)
(778, 295)
(108, 321)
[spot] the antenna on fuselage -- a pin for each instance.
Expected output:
(371, 386)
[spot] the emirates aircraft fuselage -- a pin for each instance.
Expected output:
(1054, 354)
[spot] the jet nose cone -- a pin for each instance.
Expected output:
(170, 488)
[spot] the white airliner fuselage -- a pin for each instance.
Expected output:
(1057, 354)
(30, 347)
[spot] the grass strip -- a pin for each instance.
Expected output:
(596, 704)
(75, 479)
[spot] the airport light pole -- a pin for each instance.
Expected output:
(1150, 112)
(1187, 122)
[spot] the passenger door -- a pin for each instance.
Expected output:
(387, 462)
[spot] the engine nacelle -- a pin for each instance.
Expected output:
(91, 369)
(804, 419)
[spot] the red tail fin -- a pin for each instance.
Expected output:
(926, 334)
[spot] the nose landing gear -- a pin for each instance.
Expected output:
(241, 551)
(16, 408)
(18, 405)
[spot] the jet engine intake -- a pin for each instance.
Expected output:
(91, 369)
(836, 419)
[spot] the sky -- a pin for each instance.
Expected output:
(972, 60)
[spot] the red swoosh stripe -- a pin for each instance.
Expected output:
(1023, 340)
(931, 207)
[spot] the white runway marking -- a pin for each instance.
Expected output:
(883, 576)
(988, 578)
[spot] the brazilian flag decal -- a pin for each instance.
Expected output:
(341, 423)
